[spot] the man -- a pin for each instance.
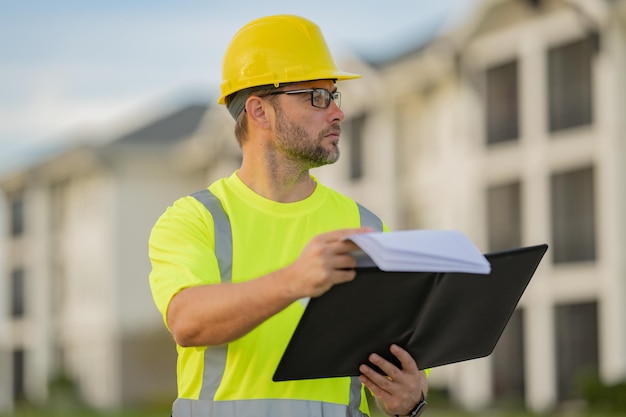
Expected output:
(233, 266)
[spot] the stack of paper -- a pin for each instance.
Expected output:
(420, 251)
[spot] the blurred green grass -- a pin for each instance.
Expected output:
(42, 412)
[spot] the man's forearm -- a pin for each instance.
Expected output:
(220, 313)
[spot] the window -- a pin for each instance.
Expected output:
(502, 107)
(570, 92)
(576, 346)
(504, 216)
(16, 208)
(17, 293)
(508, 362)
(18, 374)
(357, 130)
(573, 216)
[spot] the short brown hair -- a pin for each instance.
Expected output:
(241, 122)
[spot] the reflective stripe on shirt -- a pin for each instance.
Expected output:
(215, 357)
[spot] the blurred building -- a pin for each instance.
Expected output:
(507, 125)
(74, 291)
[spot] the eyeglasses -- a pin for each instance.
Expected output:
(320, 97)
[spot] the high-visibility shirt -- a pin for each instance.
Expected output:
(266, 235)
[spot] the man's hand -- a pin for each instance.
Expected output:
(324, 262)
(401, 389)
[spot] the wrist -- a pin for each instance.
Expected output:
(290, 291)
(417, 410)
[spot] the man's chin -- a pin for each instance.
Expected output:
(333, 157)
(328, 160)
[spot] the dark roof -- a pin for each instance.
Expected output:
(409, 42)
(182, 123)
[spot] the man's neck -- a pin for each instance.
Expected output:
(280, 185)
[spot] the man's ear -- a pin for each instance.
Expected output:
(257, 109)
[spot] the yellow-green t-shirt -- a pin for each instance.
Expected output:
(267, 236)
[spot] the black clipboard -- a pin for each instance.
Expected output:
(440, 318)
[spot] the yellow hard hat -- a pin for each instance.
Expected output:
(274, 50)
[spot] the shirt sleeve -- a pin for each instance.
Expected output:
(182, 251)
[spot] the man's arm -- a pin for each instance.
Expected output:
(219, 313)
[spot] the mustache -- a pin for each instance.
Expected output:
(332, 129)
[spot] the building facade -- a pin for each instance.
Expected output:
(509, 127)
(75, 267)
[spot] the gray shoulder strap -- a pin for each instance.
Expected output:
(369, 219)
(223, 233)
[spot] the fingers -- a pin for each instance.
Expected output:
(333, 250)
(374, 388)
(324, 262)
(399, 388)
(379, 384)
(343, 261)
(407, 362)
(342, 234)
(339, 239)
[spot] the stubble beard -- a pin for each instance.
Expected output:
(298, 144)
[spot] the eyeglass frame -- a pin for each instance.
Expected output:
(330, 96)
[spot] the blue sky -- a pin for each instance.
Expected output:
(71, 69)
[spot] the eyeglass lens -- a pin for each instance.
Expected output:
(321, 98)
